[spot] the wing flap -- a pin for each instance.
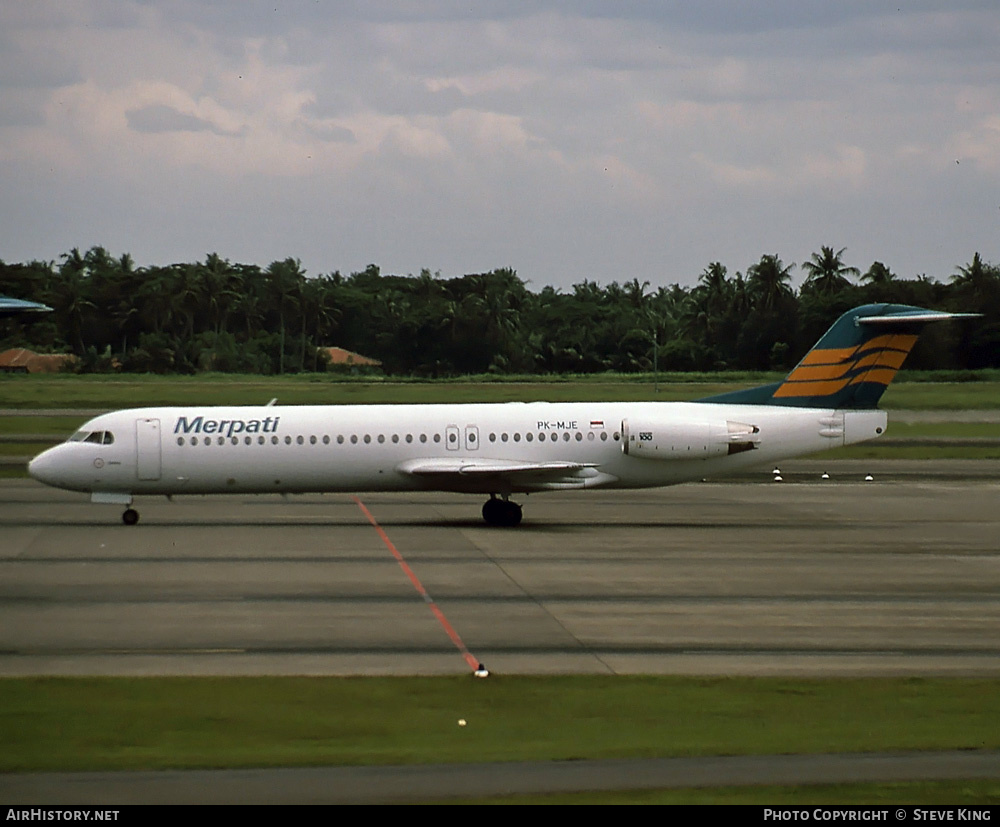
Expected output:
(490, 467)
(490, 476)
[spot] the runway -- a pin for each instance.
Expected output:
(899, 576)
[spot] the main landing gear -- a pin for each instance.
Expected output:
(130, 517)
(501, 512)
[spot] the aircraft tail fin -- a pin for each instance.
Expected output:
(852, 364)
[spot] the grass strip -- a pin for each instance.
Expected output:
(157, 723)
(110, 393)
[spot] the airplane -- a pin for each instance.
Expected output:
(828, 400)
(17, 307)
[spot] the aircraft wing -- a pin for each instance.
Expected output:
(14, 307)
(483, 474)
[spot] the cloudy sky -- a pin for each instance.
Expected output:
(568, 140)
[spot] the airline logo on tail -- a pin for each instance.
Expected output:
(854, 362)
(826, 371)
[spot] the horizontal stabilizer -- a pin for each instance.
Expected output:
(910, 317)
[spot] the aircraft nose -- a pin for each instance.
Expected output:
(42, 468)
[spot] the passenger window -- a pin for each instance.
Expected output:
(368, 439)
(340, 439)
(235, 440)
(409, 437)
(493, 437)
(221, 440)
(423, 437)
(517, 437)
(381, 439)
(260, 440)
(288, 440)
(503, 437)
(354, 439)
(395, 438)
(437, 437)
(247, 440)
(180, 440)
(274, 440)
(579, 437)
(604, 436)
(312, 440)
(326, 439)
(299, 440)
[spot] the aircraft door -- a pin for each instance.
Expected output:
(471, 438)
(147, 447)
(451, 438)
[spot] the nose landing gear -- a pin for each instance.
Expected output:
(501, 512)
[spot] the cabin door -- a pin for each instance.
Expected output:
(147, 446)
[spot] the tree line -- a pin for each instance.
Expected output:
(232, 317)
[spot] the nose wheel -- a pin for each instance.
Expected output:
(130, 517)
(502, 513)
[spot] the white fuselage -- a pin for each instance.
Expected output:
(482, 448)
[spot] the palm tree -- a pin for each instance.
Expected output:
(284, 279)
(881, 284)
(714, 285)
(977, 289)
(251, 299)
(827, 273)
(878, 275)
(320, 307)
(71, 303)
(769, 283)
(636, 293)
(219, 282)
(976, 279)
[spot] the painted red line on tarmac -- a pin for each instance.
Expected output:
(448, 628)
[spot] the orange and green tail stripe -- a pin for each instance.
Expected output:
(854, 362)
(827, 371)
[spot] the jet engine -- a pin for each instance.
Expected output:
(687, 440)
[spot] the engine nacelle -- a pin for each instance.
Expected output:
(687, 440)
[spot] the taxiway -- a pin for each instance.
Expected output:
(898, 576)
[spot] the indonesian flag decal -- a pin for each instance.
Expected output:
(596, 423)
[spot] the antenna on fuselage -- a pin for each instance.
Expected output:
(271, 403)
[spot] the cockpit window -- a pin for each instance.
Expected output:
(94, 437)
